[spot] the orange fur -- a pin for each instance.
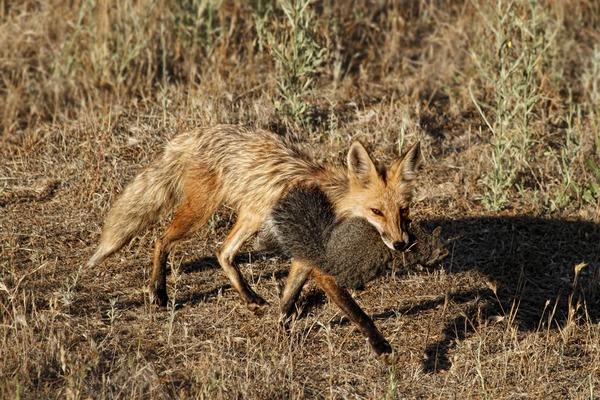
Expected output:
(248, 170)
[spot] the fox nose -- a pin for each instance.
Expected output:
(400, 245)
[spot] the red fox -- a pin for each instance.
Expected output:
(249, 170)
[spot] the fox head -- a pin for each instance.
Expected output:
(382, 196)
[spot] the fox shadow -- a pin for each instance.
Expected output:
(535, 271)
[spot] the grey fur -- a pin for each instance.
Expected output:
(303, 225)
(355, 253)
(302, 222)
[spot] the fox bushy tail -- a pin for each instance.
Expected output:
(154, 192)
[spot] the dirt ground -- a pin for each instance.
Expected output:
(505, 102)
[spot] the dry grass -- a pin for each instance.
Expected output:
(90, 91)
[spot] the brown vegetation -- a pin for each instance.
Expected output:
(505, 100)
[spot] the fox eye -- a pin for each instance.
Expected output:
(377, 211)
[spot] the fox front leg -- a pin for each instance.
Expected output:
(299, 272)
(352, 310)
(244, 228)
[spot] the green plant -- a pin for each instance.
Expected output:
(571, 186)
(197, 27)
(67, 292)
(509, 70)
(487, 394)
(297, 55)
(112, 314)
(591, 194)
(393, 383)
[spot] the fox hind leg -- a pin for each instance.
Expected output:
(198, 204)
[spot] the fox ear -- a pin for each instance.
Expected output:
(360, 166)
(405, 169)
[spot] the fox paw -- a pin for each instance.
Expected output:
(158, 297)
(385, 352)
(286, 319)
(257, 308)
(388, 358)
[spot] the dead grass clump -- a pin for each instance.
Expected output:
(59, 58)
